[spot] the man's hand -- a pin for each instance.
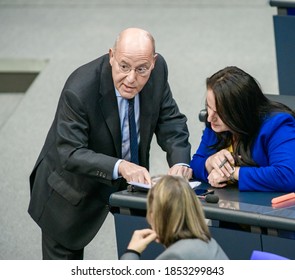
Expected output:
(141, 239)
(181, 170)
(134, 173)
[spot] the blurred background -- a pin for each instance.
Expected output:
(42, 42)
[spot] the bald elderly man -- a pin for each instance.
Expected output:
(87, 154)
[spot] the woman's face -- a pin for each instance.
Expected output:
(216, 123)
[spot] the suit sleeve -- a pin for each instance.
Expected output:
(129, 256)
(72, 140)
(171, 130)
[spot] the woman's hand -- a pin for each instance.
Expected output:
(222, 162)
(140, 239)
(216, 180)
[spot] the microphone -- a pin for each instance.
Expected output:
(208, 195)
(211, 198)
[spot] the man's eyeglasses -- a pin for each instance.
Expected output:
(143, 71)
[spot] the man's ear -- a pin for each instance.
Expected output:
(111, 55)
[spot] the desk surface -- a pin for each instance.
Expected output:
(252, 208)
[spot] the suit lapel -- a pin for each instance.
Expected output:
(109, 107)
(146, 111)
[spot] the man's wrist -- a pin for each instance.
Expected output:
(183, 164)
(116, 174)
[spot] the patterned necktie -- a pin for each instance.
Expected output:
(132, 132)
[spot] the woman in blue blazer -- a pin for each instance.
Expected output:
(248, 139)
(177, 221)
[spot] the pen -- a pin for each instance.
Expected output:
(208, 192)
(223, 163)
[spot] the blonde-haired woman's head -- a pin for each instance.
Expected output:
(175, 212)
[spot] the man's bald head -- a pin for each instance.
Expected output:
(135, 38)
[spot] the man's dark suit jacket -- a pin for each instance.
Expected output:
(72, 178)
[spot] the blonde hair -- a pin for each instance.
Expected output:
(175, 212)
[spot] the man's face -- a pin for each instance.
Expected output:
(131, 68)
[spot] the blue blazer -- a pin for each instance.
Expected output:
(273, 151)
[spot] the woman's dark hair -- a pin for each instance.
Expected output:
(242, 106)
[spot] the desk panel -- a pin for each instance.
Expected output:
(281, 246)
(284, 29)
(241, 222)
(237, 244)
(125, 226)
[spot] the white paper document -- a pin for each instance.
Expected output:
(146, 187)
